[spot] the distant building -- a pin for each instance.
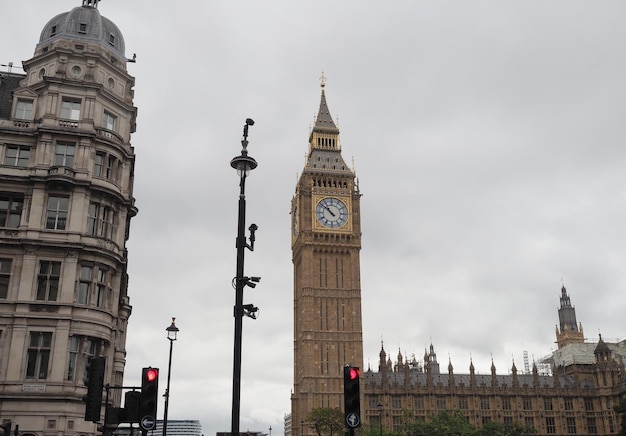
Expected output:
(242, 433)
(179, 428)
(174, 428)
(576, 397)
(66, 202)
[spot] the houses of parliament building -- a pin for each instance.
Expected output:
(575, 396)
(575, 391)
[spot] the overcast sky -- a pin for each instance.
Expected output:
(488, 138)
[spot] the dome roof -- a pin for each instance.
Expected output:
(84, 23)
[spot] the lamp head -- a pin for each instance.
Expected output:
(172, 330)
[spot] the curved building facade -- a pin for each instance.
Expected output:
(66, 202)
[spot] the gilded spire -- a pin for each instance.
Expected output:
(324, 122)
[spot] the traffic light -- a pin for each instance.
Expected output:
(352, 396)
(6, 428)
(149, 393)
(94, 380)
(131, 404)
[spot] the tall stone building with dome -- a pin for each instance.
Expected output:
(66, 202)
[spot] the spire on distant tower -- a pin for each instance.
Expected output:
(92, 3)
(568, 331)
(324, 121)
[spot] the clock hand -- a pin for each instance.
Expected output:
(328, 209)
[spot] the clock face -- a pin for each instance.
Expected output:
(295, 221)
(331, 212)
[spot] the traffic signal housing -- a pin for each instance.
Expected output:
(94, 380)
(149, 393)
(352, 396)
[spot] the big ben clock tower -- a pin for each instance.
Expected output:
(326, 241)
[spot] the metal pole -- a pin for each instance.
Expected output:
(239, 285)
(167, 389)
(243, 164)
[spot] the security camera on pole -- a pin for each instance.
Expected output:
(243, 164)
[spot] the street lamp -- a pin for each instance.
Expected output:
(243, 164)
(172, 333)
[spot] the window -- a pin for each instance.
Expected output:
(10, 210)
(82, 28)
(81, 349)
(571, 425)
(547, 403)
(550, 425)
(506, 403)
(396, 402)
(589, 404)
(73, 357)
(109, 121)
(592, 428)
(484, 403)
(528, 421)
(441, 403)
(101, 288)
(99, 164)
(112, 166)
(5, 277)
(70, 109)
(397, 424)
(463, 403)
(111, 39)
(38, 355)
(106, 166)
(53, 30)
(56, 216)
(64, 154)
(100, 220)
(17, 156)
(528, 403)
(569, 404)
(48, 280)
(24, 110)
(84, 284)
(418, 403)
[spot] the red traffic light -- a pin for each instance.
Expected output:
(354, 373)
(151, 374)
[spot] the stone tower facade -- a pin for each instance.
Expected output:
(66, 202)
(326, 244)
(568, 332)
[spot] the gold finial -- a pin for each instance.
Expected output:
(323, 80)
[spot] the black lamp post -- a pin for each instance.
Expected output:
(243, 164)
(172, 333)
